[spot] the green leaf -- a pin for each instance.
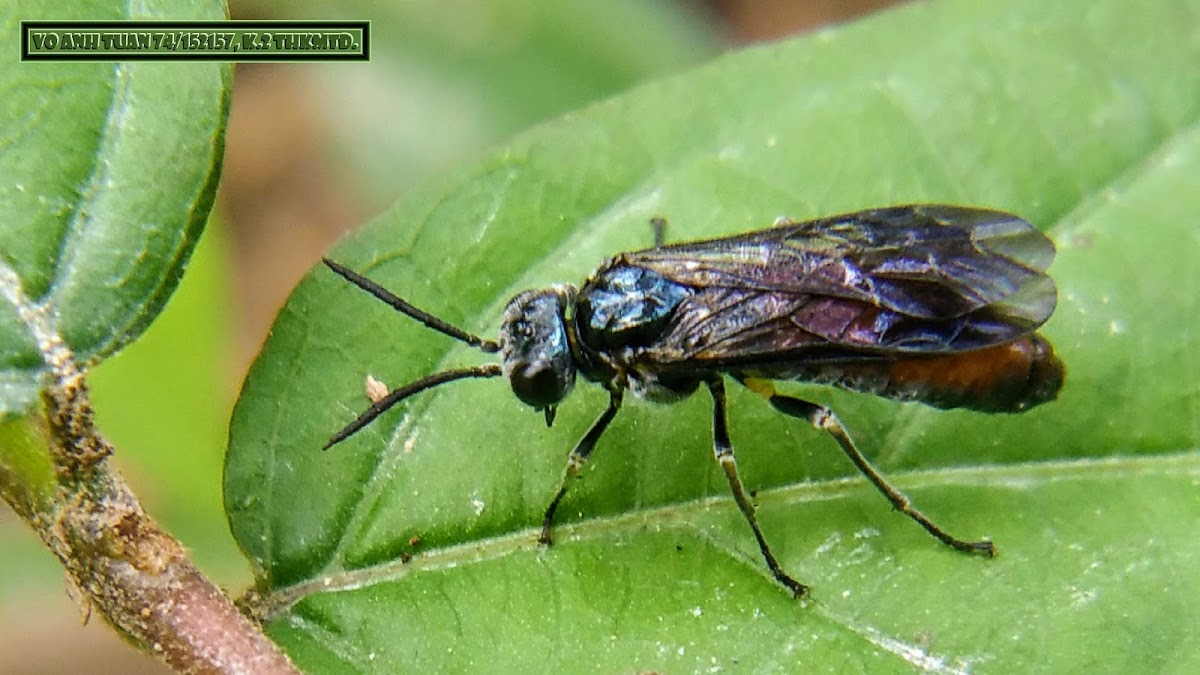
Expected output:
(1081, 116)
(107, 173)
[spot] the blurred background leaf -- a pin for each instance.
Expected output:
(448, 78)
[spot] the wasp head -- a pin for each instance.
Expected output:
(534, 347)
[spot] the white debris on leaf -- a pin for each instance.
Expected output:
(376, 389)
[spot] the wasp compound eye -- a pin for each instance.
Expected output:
(534, 345)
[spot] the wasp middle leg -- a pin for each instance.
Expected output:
(723, 450)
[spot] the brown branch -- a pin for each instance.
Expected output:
(118, 560)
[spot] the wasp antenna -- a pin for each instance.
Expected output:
(397, 395)
(400, 305)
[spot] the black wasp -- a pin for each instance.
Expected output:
(929, 303)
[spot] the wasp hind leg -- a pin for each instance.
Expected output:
(723, 450)
(823, 418)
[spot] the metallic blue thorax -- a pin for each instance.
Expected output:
(626, 306)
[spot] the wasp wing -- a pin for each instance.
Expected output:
(914, 279)
(930, 261)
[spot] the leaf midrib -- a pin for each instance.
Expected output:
(1021, 476)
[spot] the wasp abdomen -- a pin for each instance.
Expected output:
(1011, 377)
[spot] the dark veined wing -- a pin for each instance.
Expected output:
(724, 327)
(915, 279)
(927, 261)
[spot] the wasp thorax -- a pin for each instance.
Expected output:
(534, 346)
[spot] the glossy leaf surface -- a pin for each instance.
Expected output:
(1081, 117)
